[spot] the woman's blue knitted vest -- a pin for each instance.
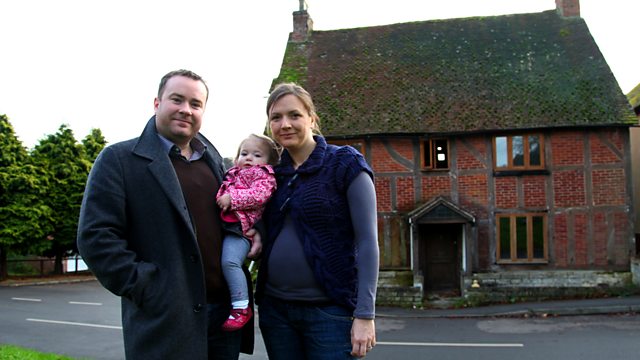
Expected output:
(315, 196)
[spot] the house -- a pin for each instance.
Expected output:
(500, 146)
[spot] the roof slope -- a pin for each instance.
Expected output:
(458, 75)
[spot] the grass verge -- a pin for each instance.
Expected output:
(11, 352)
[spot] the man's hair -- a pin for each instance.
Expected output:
(182, 72)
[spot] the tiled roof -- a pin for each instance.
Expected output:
(458, 75)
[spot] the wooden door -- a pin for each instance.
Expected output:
(439, 255)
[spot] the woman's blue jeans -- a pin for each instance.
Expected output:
(294, 330)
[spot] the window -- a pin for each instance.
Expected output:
(357, 144)
(522, 238)
(519, 152)
(434, 154)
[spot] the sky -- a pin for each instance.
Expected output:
(97, 64)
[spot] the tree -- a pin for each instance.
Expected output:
(25, 217)
(93, 144)
(67, 167)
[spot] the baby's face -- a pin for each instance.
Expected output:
(252, 152)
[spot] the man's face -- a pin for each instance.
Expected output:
(179, 110)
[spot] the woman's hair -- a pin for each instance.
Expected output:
(273, 149)
(298, 91)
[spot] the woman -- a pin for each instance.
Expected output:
(319, 271)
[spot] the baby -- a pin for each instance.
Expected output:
(247, 187)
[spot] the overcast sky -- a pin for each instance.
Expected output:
(93, 64)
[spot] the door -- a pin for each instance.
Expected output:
(440, 257)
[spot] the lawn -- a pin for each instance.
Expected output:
(10, 352)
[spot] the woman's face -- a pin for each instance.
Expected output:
(290, 123)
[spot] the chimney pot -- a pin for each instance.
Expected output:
(568, 8)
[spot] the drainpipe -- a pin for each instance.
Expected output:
(411, 241)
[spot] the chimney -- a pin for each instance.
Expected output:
(568, 8)
(302, 23)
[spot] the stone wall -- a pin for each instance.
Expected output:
(396, 288)
(546, 284)
(403, 296)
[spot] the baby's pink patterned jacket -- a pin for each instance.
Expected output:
(250, 189)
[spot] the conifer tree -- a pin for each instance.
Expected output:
(23, 186)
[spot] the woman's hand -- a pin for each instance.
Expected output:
(363, 336)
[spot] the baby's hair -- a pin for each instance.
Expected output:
(273, 149)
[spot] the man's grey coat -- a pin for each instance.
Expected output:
(136, 236)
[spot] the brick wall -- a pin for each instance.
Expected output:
(569, 148)
(506, 192)
(534, 191)
(609, 187)
(467, 158)
(569, 188)
(438, 184)
(386, 156)
(406, 194)
(606, 148)
(473, 192)
(584, 192)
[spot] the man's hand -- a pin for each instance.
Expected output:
(224, 202)
(256, 244)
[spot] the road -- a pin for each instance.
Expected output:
(579, 337)
(83, 320)
(79, 319)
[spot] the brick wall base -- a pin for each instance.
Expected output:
(538, 285)
(403, 296)
(396, 288)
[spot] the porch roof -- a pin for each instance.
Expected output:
(440, 210)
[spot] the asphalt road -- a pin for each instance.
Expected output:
(79, 320)
(82, 320)
(573, 337)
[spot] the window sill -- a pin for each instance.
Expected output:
(523, 262)
(498, 173)
(434, 170)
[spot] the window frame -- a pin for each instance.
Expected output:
(527, 158)
(432, 165)
(513, 239)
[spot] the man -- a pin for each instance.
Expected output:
(150, 231)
